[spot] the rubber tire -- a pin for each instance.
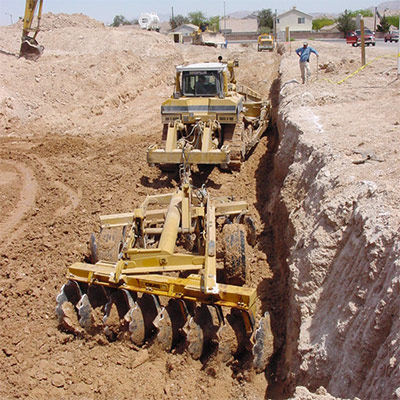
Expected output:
(106, 245)
(234, 239)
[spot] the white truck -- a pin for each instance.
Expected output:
(149, 21)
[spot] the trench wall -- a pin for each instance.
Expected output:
(338, 252)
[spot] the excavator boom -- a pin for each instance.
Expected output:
(30, 48)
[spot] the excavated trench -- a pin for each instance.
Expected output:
(334, 292)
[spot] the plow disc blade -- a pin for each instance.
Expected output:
(263, 344)
(31, 49)
(170, 322)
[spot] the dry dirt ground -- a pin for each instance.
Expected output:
(74, 129)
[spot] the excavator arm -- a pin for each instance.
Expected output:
(30, 48)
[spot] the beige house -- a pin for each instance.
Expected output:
(236, 25)
(295, 20)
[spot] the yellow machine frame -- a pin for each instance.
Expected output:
(141, 270)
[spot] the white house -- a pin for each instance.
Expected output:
(186, 29)
(296, 20)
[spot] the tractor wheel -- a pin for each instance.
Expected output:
(234, 239)
(106, 245)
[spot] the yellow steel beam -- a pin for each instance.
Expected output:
(172, 221)
(186, 226)
(172, 136)
(230, 208)
(206, 137)
(190, 288)
(177, 156)
(210, 272)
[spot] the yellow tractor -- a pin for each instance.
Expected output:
(30, 48)
(265, 42)
(172, 271)
(206, 37)
(209, 119)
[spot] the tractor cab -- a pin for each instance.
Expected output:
(201, 80)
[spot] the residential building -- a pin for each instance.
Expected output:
(236, 25)
(295, 20)
(186, 29)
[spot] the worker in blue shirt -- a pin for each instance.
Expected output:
(304, 54)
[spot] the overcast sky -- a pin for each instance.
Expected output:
(105, 10)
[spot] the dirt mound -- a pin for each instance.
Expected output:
(50, 21)
(87, 81)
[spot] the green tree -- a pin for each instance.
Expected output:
(393, 20)
(265, 20)
(319, 23)
(384, 26)
(364, 13)
(214, 23)
(178, 20)
(197, 18)
(346, 23)
(120, 20)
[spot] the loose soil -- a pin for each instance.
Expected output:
(74, 129)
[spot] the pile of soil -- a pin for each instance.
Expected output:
(75, 127)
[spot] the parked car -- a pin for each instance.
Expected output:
(354, 37)
(392, 36)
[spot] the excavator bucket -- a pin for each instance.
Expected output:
(30, 49)
(171, 272)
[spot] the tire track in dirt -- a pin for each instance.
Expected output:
(29, 187)
(74, 197)
(27, 197)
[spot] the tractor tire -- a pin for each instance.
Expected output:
(106, 245)
(234, 240)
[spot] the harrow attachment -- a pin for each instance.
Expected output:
(159, 274)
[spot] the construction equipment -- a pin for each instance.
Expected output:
(265, 42)
(209, 119)
(205, 37)
(30, 48)
(149, 21)
(161, 273)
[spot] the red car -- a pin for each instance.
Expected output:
(354, 37)
(392, 36)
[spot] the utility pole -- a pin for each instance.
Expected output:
(362, 41)
(224, 20)
(398, 55)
